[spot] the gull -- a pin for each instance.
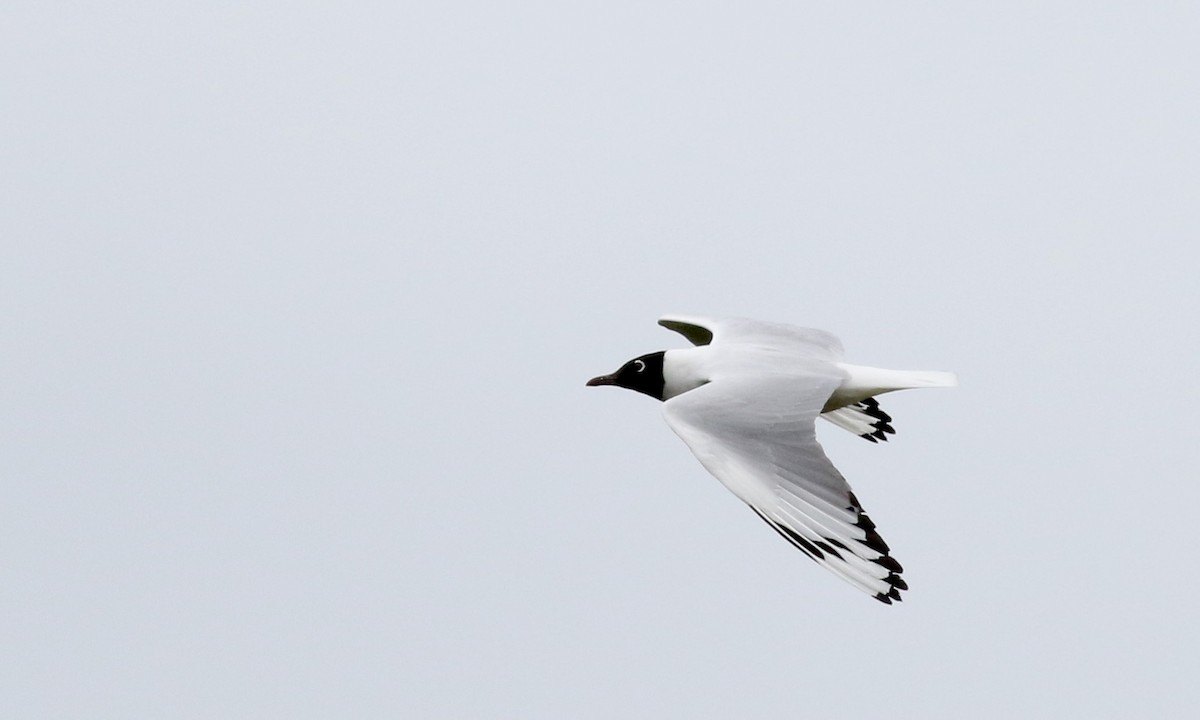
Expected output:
(746, 398)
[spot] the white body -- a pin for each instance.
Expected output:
(689, 368)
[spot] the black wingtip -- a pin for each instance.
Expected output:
(882, 426)
(888, 562)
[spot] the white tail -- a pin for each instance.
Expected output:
(863, 382)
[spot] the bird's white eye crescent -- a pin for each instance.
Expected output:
(641, 365)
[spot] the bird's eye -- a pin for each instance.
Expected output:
(641, 365)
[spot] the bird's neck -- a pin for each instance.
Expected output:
(684, 369)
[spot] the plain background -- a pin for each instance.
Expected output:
(299, 300)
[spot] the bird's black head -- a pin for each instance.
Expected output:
(644, 374)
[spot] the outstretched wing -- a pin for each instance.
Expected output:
(798, 341)
(757, 436)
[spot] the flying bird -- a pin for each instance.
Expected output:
(746, 399)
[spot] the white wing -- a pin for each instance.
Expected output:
(798, 341)
(757, 436)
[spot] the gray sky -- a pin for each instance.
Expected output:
(300, 299)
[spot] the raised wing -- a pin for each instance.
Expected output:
(757, 436)
(803, 342)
